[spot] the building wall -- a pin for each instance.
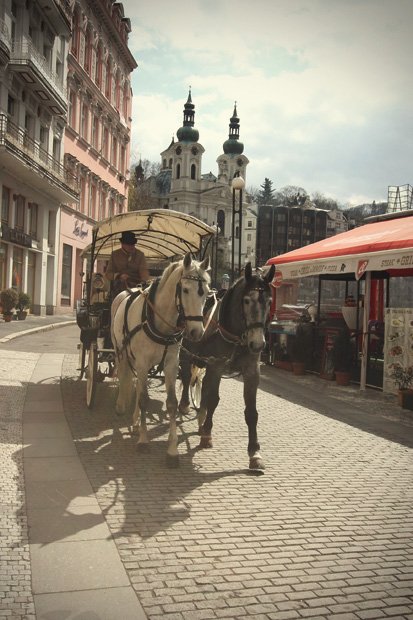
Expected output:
(33, 178)
(97, 136)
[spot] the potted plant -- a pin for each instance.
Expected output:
(403, 378)
(343, 356)
(301, 348)
(23, 304)
(9, 298)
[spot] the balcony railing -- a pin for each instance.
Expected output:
(13, 135)
(25, 53)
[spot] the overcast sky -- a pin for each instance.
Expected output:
(324, 88)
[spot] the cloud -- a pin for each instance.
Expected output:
(323, 88)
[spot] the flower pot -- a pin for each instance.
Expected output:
(298, 368)
(405, 399)
(7, 316)
(342, 377)
(21, 315)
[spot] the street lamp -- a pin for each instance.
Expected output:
(215, 254)
(238, 185)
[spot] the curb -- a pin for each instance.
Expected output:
(41, 328)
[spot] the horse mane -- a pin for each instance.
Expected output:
(168, 270)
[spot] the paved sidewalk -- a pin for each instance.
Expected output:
(32, 324)
(57, 556)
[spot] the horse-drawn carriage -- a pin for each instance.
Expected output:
(163, 235)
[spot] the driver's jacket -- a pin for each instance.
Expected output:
(133, 264)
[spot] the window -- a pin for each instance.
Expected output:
(221, 221)
(122, 160)
(83, 121)
(108, 84)
(66, 274)
(125, 100)
(5, 205)
(88, 51)
(193, 172)
(71, 112)
(44, 138)
(114, 151)
(19, 214)
(249, 224)
(75, 35)
(11, 106)
(98, 68)
(248, 237)
(105, 144)
(178, 171)
(33, 213)
(51, 228)
(95, 132)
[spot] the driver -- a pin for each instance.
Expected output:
(127, 266)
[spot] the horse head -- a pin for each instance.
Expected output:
(192, 293)
(256, 301)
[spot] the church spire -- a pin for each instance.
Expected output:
(187, 133)
(232, 146)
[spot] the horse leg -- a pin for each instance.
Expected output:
(171, 371)
(209, 402)
(139, 415)
(185, 378)
(251, 376)
(125, 391)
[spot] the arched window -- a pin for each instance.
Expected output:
(75, 33)
(164, 163)
(178, 171)
(98, 72)
(193, 172)
(108, 84)
(170, 163)
(117, 91)
(88, 51)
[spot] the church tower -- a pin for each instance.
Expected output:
(184, 157)
(232, 162)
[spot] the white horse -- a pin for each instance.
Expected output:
(147, 328)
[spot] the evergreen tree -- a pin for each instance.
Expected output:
(266, 193)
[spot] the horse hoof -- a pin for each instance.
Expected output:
(205, 442)
(143, 447)
(183, 409)
(257, 464)
(172, 461)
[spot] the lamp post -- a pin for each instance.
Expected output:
(215, 254)
(238, 185)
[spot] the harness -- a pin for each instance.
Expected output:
(149, 311)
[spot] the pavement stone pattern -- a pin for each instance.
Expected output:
(16, 599)
(326, 532)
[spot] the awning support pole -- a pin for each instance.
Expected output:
(365, 338)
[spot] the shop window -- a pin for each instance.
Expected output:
(5, 206)
(66, 275)
(17, 274)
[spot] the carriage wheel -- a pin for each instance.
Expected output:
(195, 387)
(82, 360)
(91, 375)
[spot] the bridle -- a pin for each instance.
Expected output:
(182, 317)
(242, 339)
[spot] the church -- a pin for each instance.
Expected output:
(181, 186)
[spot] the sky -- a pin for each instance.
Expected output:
(324, 88)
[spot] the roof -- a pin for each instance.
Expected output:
(383, 245)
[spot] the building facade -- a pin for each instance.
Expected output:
(281, 229)
(97, 135)
(182, 186)
(34, 179)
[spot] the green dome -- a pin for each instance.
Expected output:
(233, 146)
(187, 134)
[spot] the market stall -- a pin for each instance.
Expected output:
(379, 249)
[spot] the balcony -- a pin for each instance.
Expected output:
(26, 59)
(5, 44)
(31, 164)
(59, 14)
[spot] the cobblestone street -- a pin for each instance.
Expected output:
(326, 532)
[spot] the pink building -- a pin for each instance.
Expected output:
(97, 135)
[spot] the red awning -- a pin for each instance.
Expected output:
(376, 246)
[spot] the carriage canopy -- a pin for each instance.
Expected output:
(162, 234)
